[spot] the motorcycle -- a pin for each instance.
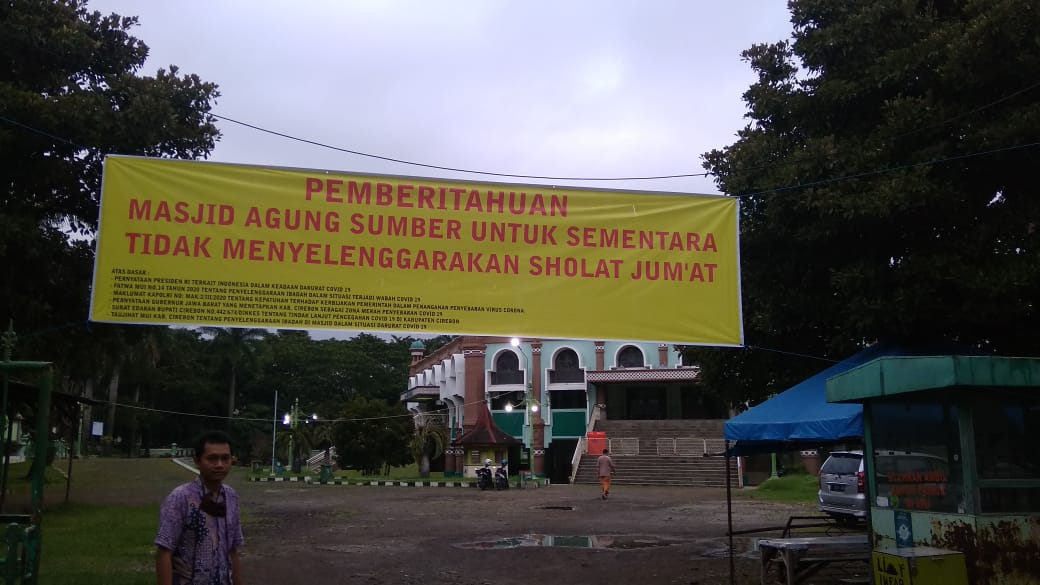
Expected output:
(484, 480)
(502, 478)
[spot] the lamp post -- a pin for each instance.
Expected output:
(529, 402)
(290, 419)
(274, 430)
(531, 405)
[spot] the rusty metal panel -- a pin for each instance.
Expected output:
(1000, 550)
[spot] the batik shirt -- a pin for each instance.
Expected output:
(200, 542)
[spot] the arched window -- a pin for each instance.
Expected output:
(566, 369)
(507, 362)
(566, 360)
(631, 357)
(507, 369)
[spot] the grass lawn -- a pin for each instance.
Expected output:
(104, 534)
(19, 484)
(86, 545)
(799, 488)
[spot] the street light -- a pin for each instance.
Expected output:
(292, 419)
(274, 430)
(530, 403)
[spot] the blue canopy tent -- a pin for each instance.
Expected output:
(797, 417)
(801, 416)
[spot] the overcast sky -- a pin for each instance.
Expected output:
(563, 88)
(603, 88)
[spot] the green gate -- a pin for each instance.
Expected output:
(22, 540)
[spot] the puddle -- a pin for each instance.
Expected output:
(718, 548)
(608, 542)
(704, 548)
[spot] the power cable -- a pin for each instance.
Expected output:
(791, 353)
(42, 133)
(453, 169)
(267, 420)
(889, 170)
(801, 159)
(966, 114)
(388, 417)
(766, 191)
(675, 176)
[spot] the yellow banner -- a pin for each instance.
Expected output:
(199, 243)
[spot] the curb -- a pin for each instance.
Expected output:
(384, 483)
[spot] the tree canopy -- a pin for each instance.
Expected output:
(373, 435)
(71, 92)
(886, 186)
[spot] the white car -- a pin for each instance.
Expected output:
(843, 482)
(843, 486)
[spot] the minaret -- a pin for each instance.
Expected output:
(418, 351)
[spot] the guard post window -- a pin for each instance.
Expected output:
(1007, 431)
(917, 459)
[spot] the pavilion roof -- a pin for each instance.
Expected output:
(486, 432)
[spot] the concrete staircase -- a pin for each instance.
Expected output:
(662, 452)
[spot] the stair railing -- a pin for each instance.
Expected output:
(689, 446)
(315, 461)
(582, 445)
(593, 417)
(665, 446)
(576, 460)
(714, 447)
(624, 445)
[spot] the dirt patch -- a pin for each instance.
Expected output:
(403, 535)
(347, 535)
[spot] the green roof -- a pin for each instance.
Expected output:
(417, 345)
(888, 376)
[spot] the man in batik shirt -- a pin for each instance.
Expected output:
(199, 530)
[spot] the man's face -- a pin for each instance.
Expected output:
(214, 462)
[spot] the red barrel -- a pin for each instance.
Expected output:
(597, 441)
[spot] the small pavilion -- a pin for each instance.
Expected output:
(486, 441)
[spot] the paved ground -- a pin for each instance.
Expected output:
(462, 536)
(312, 534)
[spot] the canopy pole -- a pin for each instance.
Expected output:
(729, 516)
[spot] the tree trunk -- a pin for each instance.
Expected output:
(86, 419)
(424, 466)
(133, 421)
(110, 414)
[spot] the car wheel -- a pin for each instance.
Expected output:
(845, 519)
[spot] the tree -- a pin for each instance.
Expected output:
(372, 434)
(429, 439)
(70, 94)
(186, 383)
(886, 185)
(233, 346)
(378, 369)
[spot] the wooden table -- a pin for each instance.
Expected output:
(801, 557)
